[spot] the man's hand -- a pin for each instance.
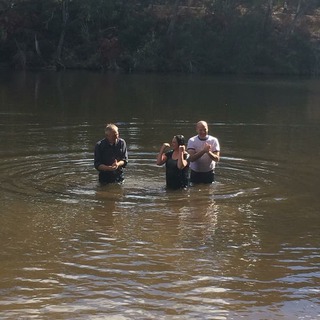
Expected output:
(207, 148)
(115, 165)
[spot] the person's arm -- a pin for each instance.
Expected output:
(215, 155)
(98, 159)
(161, 157)
(116, 164)
(123, 161)
(103, 167)
(120, 163)
(197, 155)
(182, 162)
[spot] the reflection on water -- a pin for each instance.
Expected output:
(247, 246)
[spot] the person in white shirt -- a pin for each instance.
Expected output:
(204, 153)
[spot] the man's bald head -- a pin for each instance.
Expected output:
(202, 129)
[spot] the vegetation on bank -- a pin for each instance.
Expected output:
(191, 36)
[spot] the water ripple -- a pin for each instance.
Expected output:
(71, 178)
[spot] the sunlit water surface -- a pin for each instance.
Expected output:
(246, 247)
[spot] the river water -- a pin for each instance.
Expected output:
(246, 247)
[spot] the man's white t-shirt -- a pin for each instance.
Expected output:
(205, 163)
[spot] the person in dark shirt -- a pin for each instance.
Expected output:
(111, 156)
(176, 161)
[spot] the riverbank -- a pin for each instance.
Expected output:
(138, 38)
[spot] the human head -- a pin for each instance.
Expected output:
(180, 139)
(202, 129)
(111, 132)
(177, 141)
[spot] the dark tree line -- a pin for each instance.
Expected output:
(208, 36)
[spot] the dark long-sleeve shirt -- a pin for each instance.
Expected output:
(106, 153)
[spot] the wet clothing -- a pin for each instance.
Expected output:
(201, 177)
(202, 170)
(106, 153)
(176, 178)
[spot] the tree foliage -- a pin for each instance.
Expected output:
(208, 36)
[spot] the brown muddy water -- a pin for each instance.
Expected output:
(246, 247)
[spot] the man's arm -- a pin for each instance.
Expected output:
(123, 162)
(197, 155)
(97, 157)
(194, 156)
(215, 155)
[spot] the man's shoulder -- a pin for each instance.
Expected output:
(214, 142)
(100, 142)
(211, 138)
(192, 142)
(121, 141)
(192, 139)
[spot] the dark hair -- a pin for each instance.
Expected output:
(180, 139)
